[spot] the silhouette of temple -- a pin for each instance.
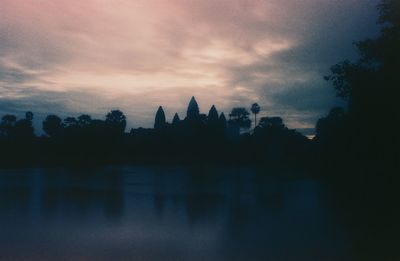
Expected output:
(176, 120)
(160, 122)
(197, 137)
(193, 111)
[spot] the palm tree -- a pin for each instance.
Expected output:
(255, 109)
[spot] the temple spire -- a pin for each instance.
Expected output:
(176, 119)
(160, 118)
(193, 111)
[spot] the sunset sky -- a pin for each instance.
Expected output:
(70, 57)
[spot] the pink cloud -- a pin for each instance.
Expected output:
(225, 52)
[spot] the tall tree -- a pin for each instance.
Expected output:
(330, 128)
(272, 123)
(29, 115)
(71, 127)
(255, 109)
(70, 122)
(23, 128)
(370, 84)
(84, 120)
(116, 121)
(372, 80)
(7, 125)
(52, 126)
(240, 116)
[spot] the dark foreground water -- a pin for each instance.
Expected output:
(142, 213)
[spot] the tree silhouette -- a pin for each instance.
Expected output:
(272, 122)
(199, 137)
(70, 122)
(7, 125)
(255, 109)
(159, 121)
(8, 119)
(372, 79)
(71, 127)
(52, 125)
(116, 122)
(23, 129)
(84, 120)
(29, 116)
(240, 117)
(370, 84)
(328, 129)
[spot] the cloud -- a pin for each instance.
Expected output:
(92, 55)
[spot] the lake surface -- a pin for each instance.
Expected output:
(179, 213)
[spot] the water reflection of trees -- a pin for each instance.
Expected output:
(89, 192)
(58, 192)
(212, 193)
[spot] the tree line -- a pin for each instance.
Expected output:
(197, 137)
(366, 132)
(363, 132)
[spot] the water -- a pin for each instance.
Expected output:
(149, 213)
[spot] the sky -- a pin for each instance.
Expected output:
(72, 57)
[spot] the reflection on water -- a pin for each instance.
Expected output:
(140, 213)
